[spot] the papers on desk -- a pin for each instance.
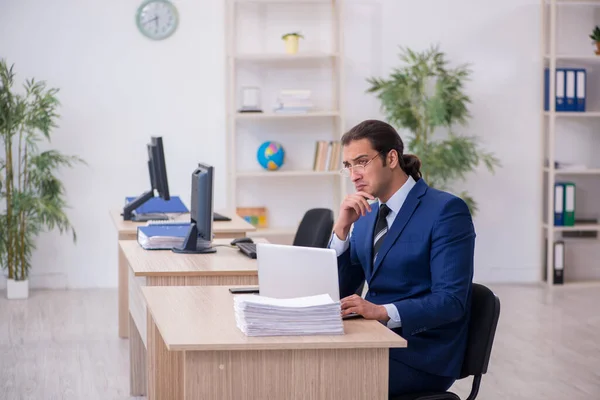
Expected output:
(264, 316)
(162, 236)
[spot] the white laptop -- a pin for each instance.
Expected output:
(293, 271)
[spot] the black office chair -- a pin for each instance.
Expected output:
(485, 311)
(315, 228)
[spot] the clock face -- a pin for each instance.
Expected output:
(157, 19)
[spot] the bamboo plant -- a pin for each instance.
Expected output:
(427, 97)
(32, 196)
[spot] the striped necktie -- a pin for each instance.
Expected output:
(381, 229)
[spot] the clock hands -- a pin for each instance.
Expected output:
(153, 19)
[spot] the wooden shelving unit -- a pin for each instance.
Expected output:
(256, 57)
(565, 43)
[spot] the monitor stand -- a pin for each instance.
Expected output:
(194, 244)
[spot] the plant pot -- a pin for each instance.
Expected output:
(291, 44)
(598, 48)
(17, 289)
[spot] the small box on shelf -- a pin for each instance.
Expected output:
(583, 233)
(256, 216)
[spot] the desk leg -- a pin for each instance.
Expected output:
(123, 296)
(165, 368)
(137, 359)
(349, 374)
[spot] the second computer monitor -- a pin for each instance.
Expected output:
(201, 210)
(200, 235)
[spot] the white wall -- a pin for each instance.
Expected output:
(118, 88)
(501, 40)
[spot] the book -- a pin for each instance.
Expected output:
(327, 155)
(257, 315)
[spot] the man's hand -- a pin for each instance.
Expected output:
(354, 206)
(358, 305)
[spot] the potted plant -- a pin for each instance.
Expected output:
(595, 36)
(32, 197)
(426, 97)
(291, 42)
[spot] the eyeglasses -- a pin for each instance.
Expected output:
(358, 168)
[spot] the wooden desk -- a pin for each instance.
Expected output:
(196, 351)
(228, 266)
(127, 230)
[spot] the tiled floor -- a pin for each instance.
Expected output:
(64, 345)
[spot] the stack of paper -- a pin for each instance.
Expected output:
(162, 235)
(293, 102)
(264, 316)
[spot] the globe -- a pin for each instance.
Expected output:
(270, 155)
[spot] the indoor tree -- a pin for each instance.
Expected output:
(32, 197)
(426, 97)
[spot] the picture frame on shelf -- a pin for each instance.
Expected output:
(250, 99)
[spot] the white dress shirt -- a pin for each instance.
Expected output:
(394, 203)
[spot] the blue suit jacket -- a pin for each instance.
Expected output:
(425, 268)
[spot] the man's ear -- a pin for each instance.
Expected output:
(392, 158)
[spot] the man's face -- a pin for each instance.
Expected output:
(368, 173)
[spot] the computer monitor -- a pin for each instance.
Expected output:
(200, 235)
(157, 171)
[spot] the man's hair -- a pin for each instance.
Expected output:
(383, 138)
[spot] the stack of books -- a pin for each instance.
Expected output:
(264, 316)
(293, 102)
(328, 155)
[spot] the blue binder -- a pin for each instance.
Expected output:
(580, 89)
(570, 87)
(559, 204)
(560, 89)
(159, 206)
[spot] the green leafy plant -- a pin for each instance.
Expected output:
(595, 36)
(297, 34)
(31, 194)
(427, 97)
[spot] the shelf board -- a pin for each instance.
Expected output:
(589, 171)
(575, 2)
(575, 57)
(280, 174)
(575, 114)
(576, 227)
(284, 56)
(273, 115)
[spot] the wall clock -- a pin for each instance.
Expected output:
(157, 19)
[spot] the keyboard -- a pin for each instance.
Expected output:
(158, 219)
(248, 249)
(220, 217)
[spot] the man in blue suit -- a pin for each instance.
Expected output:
(414, 248)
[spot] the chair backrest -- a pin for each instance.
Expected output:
(485, 312)
(315, 228)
